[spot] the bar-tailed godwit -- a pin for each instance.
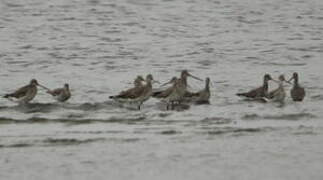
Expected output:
(297, 92)
(25, 93)
(137, 95)
(61, 94)
(259, 92)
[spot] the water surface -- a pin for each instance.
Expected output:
(100, 46)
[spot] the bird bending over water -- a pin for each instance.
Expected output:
(259, 92)
(297, 92)
(200, 97)
(26, 93)
(164, 93)
(61, 94)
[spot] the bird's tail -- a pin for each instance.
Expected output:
(7, 95)
(241, 94)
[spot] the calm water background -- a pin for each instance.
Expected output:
(99, 46)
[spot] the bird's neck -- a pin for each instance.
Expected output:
(149, 83)
(184, 80)
(207, 86)
(265, 85)
(296, 82)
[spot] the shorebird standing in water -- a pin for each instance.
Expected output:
(200, 97)
(177, 91)
(26, 93)
(297, 92)
(259, 92)
(279, 94)
(61, 94)
(164, 93)
(137, 95)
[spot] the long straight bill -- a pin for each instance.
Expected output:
(169, 82)
(290, 79)
(43, 87)
(195, 77)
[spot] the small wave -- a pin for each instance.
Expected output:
(284, 64)
(124, 140)
(14, 5)
(29, 46)
(49, 107)
(236, 131)
(317, 97)
(250, 117)
(296, 116)
(74, 120)
(52, 142)
(95, 132)
(93, 106)
(66, 141)
(170, 132)
(305, 133)
(32, 107)
(18, 145)
(216, 120)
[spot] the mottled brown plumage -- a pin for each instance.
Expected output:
(166, 92)
(61, 94)
(138, 94)
(258, 92)
(25, 93)
(177, 91)
(200, 97)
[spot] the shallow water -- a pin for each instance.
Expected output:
(100, 46)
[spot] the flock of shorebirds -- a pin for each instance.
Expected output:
(261, 93)
(176, 94)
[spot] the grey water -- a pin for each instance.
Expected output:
(100, 46)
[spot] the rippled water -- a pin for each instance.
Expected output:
(100, 46)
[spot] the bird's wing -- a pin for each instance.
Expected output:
(252, 93)
(191, 94)
(56, 92)
(131, 93)
(20, 92)
(163, 94)
(272, 93)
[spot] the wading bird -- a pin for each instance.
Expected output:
(26, 93)
(259, 92)
(297, 92)
(200, 97)
(137, 95)
(279, 94)
(61, 94)
(175, 94)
